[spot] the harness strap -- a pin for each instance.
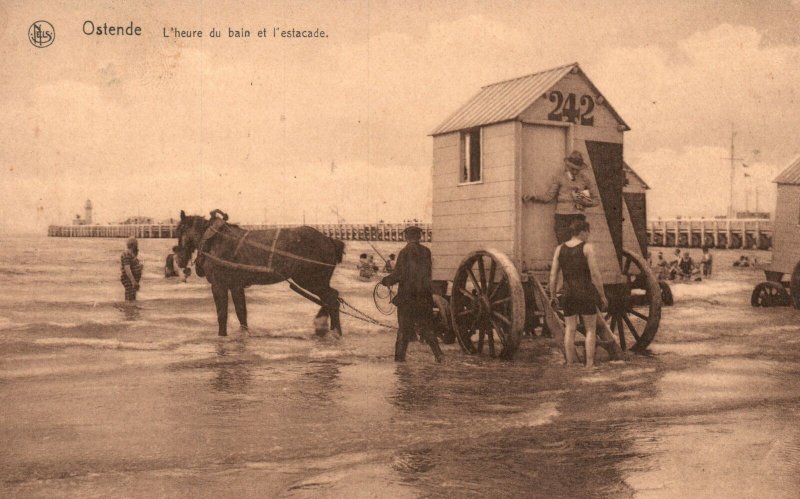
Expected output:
(238, 266)
(239, 244)
(214, 230)
(272, 250)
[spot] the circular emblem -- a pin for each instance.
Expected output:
(41, 34)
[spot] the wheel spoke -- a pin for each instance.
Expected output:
(639, 314)
(474, 280)
(500, 332)
(621, 332)
(630, 326)
(492, 274)
(482, 274)
(467, 294)
(626, 267)
(502, 318)
(497, 288)
(501, 301)
(465, 313)
(481, 337)
(490, 334)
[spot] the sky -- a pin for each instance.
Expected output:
(283, 130)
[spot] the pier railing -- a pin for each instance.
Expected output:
(712, 233)
(345, 232)
(690, 233)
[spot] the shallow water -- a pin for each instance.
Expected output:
(100, 399)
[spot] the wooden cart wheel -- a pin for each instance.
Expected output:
(794, 286)
(636, 319)
(443, 320)
(488, 304)
(769, 294)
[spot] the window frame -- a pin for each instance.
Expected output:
(464, 140)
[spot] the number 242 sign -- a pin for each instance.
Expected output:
(566, 109)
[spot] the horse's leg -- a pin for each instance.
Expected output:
(240, 306)
(331, 298)
(221, 301)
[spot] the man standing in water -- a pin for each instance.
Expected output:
(130, 269)
(414, 298)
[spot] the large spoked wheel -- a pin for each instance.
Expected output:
(488, 304)
(769, 294)
(637, 315)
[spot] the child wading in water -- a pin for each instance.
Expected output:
(130, 269)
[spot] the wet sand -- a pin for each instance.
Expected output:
(99, 400)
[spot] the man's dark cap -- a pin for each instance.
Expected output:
(412, 230)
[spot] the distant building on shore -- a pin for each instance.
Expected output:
(87, 218)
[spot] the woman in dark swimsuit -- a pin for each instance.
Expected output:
(583, 289)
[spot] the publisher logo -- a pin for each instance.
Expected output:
(41, 34)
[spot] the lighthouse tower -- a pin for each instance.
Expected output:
(87, 219)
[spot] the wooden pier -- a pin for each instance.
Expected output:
(345, 232)
(712, 233)
(688, 233)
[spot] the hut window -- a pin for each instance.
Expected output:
(471, 155)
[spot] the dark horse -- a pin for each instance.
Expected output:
(232, 258)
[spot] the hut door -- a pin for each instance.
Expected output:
(543, 151)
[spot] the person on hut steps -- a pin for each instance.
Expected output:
(573, 190)
(414, 299)
(583, 289)
(130, 269)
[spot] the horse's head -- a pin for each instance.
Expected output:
(190, 231)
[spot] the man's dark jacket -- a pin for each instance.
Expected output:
(413, 272)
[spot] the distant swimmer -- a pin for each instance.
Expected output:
(388, 267)
(130, 269)
(707, 262)
(172, 269)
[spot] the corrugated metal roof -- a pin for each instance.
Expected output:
(506, 100)
(790, 175)
(628, 168)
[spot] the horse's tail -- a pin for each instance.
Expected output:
(339, 246)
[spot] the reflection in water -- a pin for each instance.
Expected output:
(320, 381)
(416, 387)
(130, 310)
(232, 371)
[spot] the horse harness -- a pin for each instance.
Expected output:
(216, 228)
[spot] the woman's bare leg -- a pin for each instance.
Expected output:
(590, 321)
(569, 339)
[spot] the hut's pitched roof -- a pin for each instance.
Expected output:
(638, 177)
(790, 175)
(507, 100)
